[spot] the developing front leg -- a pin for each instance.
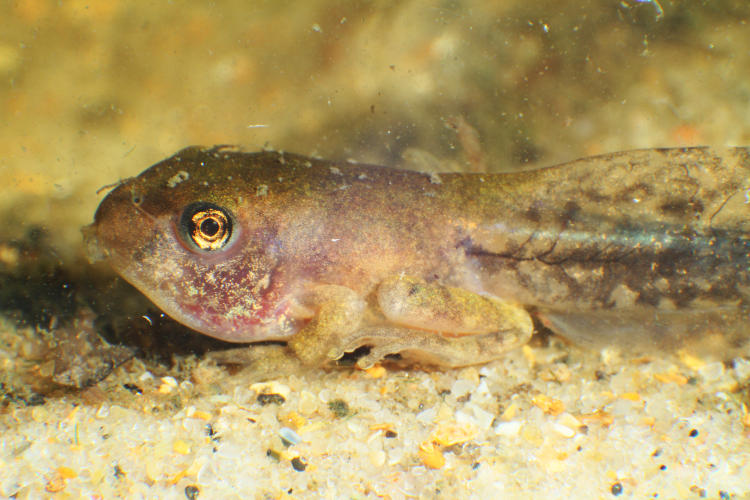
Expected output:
(439, 325)
(338, 313)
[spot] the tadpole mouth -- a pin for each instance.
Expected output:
(94, 250)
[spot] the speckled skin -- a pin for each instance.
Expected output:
(441, 269)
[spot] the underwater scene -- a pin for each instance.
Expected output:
(349, 249)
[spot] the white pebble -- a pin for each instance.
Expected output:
(741, 369)
(103, 411)
(461, 388)
(271, 388)
(508, 429)
(289, 435)
(712, 372)
(483, 419)
(427, 415)
(563, 430)
(377, 458)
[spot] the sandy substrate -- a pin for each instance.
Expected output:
(547, 422)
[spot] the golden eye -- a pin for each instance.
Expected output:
(207, 226)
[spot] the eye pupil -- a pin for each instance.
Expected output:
(206, 226)
(210, 227)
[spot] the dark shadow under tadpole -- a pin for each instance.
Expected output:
(68, 323)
